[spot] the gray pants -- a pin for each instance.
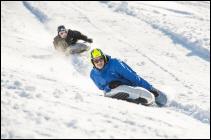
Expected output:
(77, 48)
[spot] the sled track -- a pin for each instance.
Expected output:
(190, 110)
(36, 12)
(195, 47)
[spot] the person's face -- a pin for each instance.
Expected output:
(99, 62)
(63, 34)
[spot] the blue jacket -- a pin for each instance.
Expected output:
(116, 70)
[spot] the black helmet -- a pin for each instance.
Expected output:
(61, 28)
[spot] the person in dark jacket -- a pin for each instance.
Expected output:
(109, 73)
(67, 38)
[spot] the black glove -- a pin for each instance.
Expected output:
(154, 91)
(89, 40)
(114, 84)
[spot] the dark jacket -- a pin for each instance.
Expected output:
(72, 38)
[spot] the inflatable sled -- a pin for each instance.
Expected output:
(77, 48)
(132, 94)
(137, 95)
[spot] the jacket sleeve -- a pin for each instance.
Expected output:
(79, 35)
(55, 43)
(125, 71)
(101, 87)
(60, 44)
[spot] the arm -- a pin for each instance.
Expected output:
(60, 44)
(125, 71)
(97, 83)
(55, 43)
(81, 36)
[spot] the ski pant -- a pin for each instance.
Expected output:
(77, 48)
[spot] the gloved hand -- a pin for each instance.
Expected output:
(89, 40)
(154, 91)
(107, 89)
(114, 84)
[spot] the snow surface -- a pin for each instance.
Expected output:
(47, 95)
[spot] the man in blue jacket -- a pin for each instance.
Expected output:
(109, 73)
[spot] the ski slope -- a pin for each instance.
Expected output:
(47, 95)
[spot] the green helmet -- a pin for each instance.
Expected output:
(97, 53)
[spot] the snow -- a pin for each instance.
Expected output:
(47, 95)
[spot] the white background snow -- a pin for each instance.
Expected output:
(47, 95)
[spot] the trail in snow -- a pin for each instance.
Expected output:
(195, 47)
(35, 11)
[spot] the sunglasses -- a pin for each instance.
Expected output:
(97, 60)
(62, 33)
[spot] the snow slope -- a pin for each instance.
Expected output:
(47, 95)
